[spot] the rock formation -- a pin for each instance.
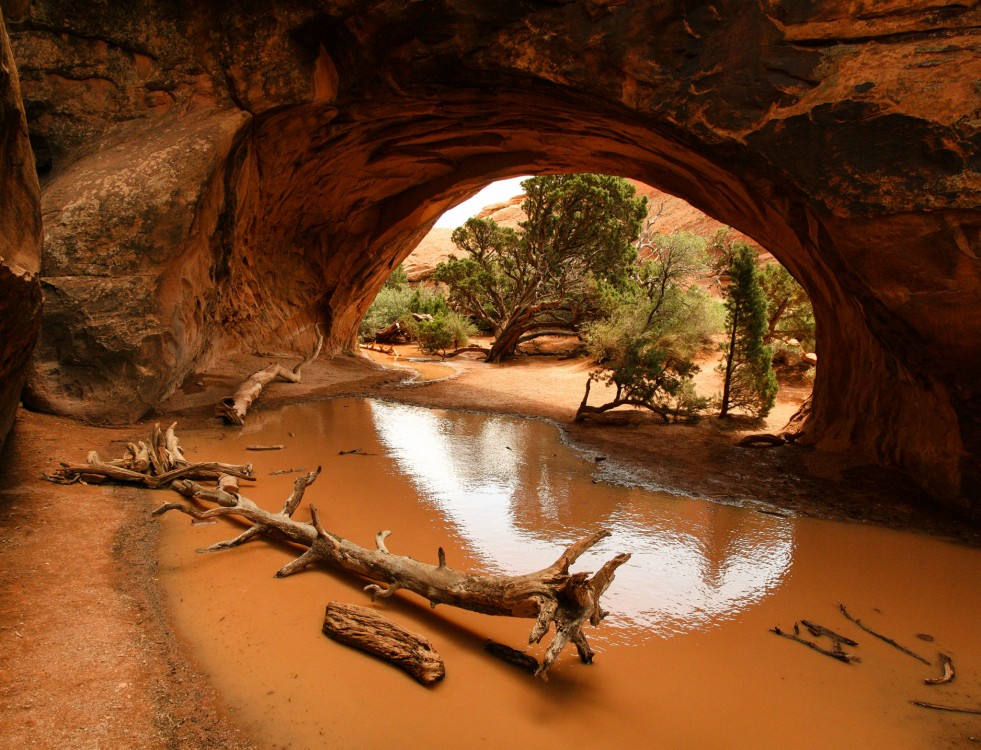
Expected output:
(20, 241)
(221, 175)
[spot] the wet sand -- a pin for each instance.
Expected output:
(88, 653)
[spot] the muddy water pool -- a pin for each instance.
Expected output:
(684, 660)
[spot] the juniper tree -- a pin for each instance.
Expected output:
(578, 235)
(646, 343)
(749, 382)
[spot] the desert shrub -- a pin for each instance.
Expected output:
(446, 331)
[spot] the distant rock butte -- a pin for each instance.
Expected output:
(218, 176)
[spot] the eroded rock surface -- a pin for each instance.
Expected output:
(842, 138)
(20, 241)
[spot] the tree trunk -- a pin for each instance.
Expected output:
(551, 595)
(233, 408)
(730, 355)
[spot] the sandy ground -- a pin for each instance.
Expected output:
(88, 658)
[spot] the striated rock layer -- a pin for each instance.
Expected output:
(20, 241)
(217, 177)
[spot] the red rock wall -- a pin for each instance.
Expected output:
(20, 241)
(842, 139)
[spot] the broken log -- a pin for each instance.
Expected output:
(881, 637)
(947, 665)
(552, 596)
(371, 632)
(234, 408)
(394, 333)
(153, 464)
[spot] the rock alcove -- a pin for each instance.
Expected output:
(218, 176)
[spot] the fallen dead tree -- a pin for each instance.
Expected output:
(154, 463)
(552, 595)
(234, 408)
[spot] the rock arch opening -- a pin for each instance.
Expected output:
(237, 172)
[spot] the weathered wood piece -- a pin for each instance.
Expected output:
(369, 631)
(155, 463)
(552, 596)
(234, 408)
(836, 653)
(947, 665)
(264, 447)
(295, 470)
(520, 659)
(881, 637)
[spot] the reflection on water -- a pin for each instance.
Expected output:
(696, 602)
(692, 564)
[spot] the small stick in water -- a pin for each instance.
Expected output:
(881, 637)
(297, 470)
(264, 447)
(940, 707)
(817, 630)
(836, 654)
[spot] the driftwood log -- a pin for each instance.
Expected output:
(154, 463)
(552, 595)
(369, 631)
(234, 408)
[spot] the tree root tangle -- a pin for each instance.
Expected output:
(155, 463)
(552, 595)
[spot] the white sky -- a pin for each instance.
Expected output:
(496, 192)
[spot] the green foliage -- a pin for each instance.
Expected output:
(398, 279)
(577, 237)
(790, 315)
(749, 381)
(654, 327)
(447, 330)
(391, 304)
(396, 300)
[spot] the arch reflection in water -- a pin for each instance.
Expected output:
(515, 495)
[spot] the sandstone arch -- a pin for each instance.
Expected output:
(297, 152)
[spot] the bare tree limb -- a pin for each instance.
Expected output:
(552, 595)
